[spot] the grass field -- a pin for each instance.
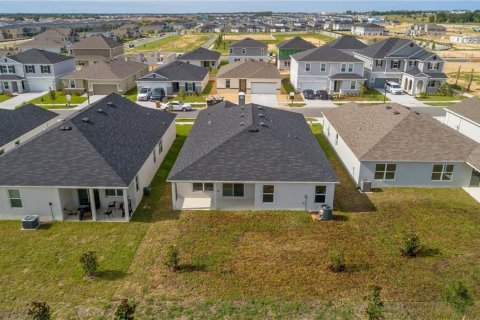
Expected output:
(59, 99)
(176, 43)
(369, 95)
(251, 265)
(437, 97)
(4, 97)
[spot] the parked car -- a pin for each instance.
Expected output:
(393, 87)
(176, 106)
(322, 95)
(157, 94)
(308, 94)
(144, 94)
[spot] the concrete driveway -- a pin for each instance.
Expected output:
(403, 99)
(268, 100)
(319, 103)
(14, 102)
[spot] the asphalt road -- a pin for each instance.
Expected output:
(142, 41)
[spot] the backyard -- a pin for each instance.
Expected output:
(251, 265)
(176, 43)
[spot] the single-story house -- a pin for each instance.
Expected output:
(249, 77)
(176, 76)
(202, 57)
(465, 118)
(94, 165)
(394, 146)
(105, 77)
(251, 157)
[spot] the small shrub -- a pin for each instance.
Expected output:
(445, 90)
(422, 94)
(411, 245)
(181, 94)
(89, 263)
(125, 310)
(456, 295)
(374, 310)
(53, 94)
(171, 259)
(337, 261)
(39, 311)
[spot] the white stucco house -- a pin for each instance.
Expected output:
(93, 165)
(251, 158)
(465, 118)
(394, 146)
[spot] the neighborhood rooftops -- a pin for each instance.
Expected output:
(397, 48)
(200, 54)
(248, 43)
(468, 108)
(394, 132)
(37, 56)
(103, 145)
(17, 122)
(324, 53)
(346, 42)
(249, 69)
(177, 71)
(110, 69)
(96, 41)
(296, 43)
(229, 143)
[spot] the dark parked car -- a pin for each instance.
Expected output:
(322, 95)
(157, 94)
(308, 94)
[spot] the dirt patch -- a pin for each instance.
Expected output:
(236, 37)
(451, 69)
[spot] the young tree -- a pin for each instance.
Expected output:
(456, 295)
(39, 311)
(337, 261)
(411, 245)
(125, 310)
(458, 74)
(171, 259)
(89, 263)
(470, 80)
(374, 310)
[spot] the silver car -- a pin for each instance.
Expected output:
(176, 106)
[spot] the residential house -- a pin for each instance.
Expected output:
(93, 165)
(427, 29)
(96, 48)
(465, 39)
(251, 157)
(368, 29)
(249, 77)
(34, 70)
(341, 25)
(326, 68)
(176, 76)
(405, 62)
(23, 123)
(464, 117)
(347, 44)
(105, 77)
(153, 59)
(289, 47)
(248, 49)
(54, 40)
(395, 146)
(202, 57)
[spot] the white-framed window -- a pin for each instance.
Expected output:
(353, 85)
(113, 193)
(233, 189)
(202, 187)
(6, 85)
(11, 69)
(442, 172)
(3, 69)
(433, 65)
(378, 63)
(385, 171)
(268, 193)
(227, 83)
(72, 84)
(347, 67)
(30, 69)
(244, 51)
(154, 157)
(350, 67)
(323, 67)
(231, 50)
(160, 147)
(45, 69)
(307, 67)
(336, 139)
(262, 50)
(432, 83)
(286, 63)
(320, 194)
(15, 198)
(137, 183)
(189, 87)
(395, 64)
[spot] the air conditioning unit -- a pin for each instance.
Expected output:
(366, 185)
(30, 222)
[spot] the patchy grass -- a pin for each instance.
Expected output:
(60, 98)
(438, 97)
(208, 88)
(4, 97)
(440, 104)
(176, 43)
(131, 94)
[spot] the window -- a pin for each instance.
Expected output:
(3, 69)
(353, 85)
(227, 83)
(45, 69)
(395, 64)
(433, 65)
(15, 198)
(286, 63)
(307, 67)
(442, 172)
(6, 85)
(385, 171)
(378, 63)
(347, 67)
(350, 67)
(113, 193)
(154, 157)
(30, 69)
(323, 67)
(320, 194)
(231, 50)
(268, 192)
(432, 83)
(73, 85)
(244, 51)
(160, 147)
(11, 69)
(336, 139)
(262, 50)
(202, 187)
(137, 184)
(233, 189)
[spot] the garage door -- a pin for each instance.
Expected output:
(320, 85)
(264, 87)
(38, 85)
(104, 88)
(380, 82)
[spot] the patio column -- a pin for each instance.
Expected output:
(91, 195)
(214, 200)
(174, 195)
(126, 207)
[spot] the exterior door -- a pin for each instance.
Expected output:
(84, 197)
(475, 181)
(14, 86)
(175, 86)
(336, 86)
(243, 85)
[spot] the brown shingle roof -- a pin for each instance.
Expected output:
(97, 41)
(469, 108)
(111, 69)
(249, 69)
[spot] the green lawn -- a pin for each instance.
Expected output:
(369, 95)
(437, 97)
(131, 94)
(440, 104)
(4, 97)
(59, 99)
(251, 265)
(175, 43)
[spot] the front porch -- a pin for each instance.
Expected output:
(414, 85)
(13, 84)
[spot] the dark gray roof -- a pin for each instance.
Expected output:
(106, 151)
(222, 147)
(248, 43)
(324, 53)
(296, 43)
(436, 75)
(10, 76)
(37, 56)
(347, 76)
(346, 43)
(200, 54)
(177, 71)
(16, 123)
(383, 48)
(415, 72)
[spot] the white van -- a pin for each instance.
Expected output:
(393, 87)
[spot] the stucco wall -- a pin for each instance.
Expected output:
(463, 125)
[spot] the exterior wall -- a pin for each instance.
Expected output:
(200, 63)
(463, 125)
(168, 87)
(107, 53)
(235, 83)
(233, 58)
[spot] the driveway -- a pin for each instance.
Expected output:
(14, 102)
(319, 103)
(403, 99)
(268, 100)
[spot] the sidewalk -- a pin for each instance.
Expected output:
(18, 100)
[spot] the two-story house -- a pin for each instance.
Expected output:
(34, 70)
(96, 48)
(247, 49)
(289, 47)
(326, 68)
(368, 29)
(405, 62)
(55, 40)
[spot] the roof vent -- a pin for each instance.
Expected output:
(260, 108)
(109, 103)
(261, 115)
(396, 112)
(242, 115)
(86, 120)
(242, 124)
(100, 111)
(417, 113)
(253, 130)
(66, 128)
(263, 124)
(388, 107)
(209, 122)
(411, 44)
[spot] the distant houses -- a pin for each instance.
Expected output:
(427, 29)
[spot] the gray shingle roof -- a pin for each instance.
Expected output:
(16, 123)
(346, 43)
(383, 48)
(110, 70)
(248, 43)
(177, 71)
(106, 151)
(251, 69)
(200, 54)
(96, 41)
(324, 53)
(296, 43)
(222, 147)
(469, 108)
(37, 56)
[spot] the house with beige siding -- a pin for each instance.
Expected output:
(96, 48)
